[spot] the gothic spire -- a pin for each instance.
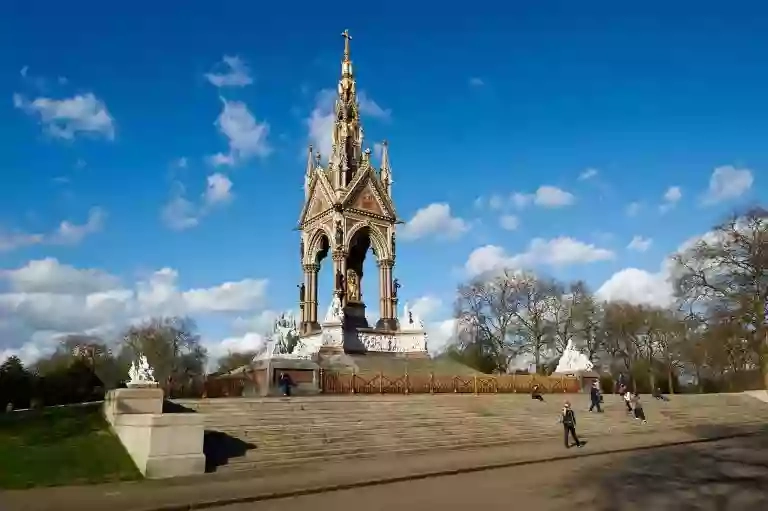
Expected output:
(386, 170)
(309, 171)
(347, 133)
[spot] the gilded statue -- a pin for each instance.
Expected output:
(353, 286)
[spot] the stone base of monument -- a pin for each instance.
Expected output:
(304, 373)
(354, 316)
(161, 444)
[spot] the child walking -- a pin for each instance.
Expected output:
(568, 419)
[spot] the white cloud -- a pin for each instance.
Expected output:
(638, 287)
(671, 197)
(673, 194)
(321, 121)
(67, 233)
(509, 222)
(13, 240)
(476, 82)
(66, 118)
(218, 191)
(728, 182)
(47, 299)
(247, 137)
(640, 244)
(180, 213)
(369, 107)
(553, 197)
(633, 208)
(495, 202)
(434, 219)
(426, 306)
(235, 73)
(440, 334)
(520, 200)
(546, 196)
(322, 118)
(50, 276)
(562, 251)
(588, 174)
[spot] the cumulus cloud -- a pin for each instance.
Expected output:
(671, 197)
(434, 220)
(322, 118)
(728, 182)
(246, 136)
(180, 213)
(232, 73)
(67, 233)
(546, 196)
(562, 251)
(638, 287)
(69, 117)
(47, 299)
(640, 244)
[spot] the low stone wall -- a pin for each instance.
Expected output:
(161, 444)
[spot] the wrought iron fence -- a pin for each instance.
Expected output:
(380, 383)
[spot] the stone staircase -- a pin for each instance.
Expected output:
(253, 433)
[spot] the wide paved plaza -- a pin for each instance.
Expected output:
(724, 475)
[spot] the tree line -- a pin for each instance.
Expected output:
(84, 367)
(713, 335)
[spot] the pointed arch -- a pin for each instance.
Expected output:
(378, 243)
(315, 244)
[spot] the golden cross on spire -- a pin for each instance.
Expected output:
(347, 38)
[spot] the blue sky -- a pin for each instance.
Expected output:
(109, 120)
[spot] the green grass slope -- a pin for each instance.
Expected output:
(60, 446)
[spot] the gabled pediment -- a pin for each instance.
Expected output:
(319, 200)
(367, 195)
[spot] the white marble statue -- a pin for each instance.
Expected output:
(141, 373)
(573, 360)
(409, 320)
(335, 312)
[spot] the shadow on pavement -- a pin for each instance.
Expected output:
(219, 448)
(725, 475)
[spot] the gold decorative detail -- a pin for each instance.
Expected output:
(353, 286)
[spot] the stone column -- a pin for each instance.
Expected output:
(310, 274)
(385, 295)
(340, 265)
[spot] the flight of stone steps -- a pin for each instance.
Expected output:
(261, 433)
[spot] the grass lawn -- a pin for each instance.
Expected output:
(60, 446)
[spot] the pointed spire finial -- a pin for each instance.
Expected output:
(347, 39)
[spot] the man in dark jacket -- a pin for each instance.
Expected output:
(284, 382)
(594, 397)
(568, 419)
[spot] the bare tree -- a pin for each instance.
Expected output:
(172, 348)
(725, 274)
(486, 311)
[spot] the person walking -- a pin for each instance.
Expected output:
(638, 406)
(628, 401)
(536, 394)
(594, 397)
(568, 419)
